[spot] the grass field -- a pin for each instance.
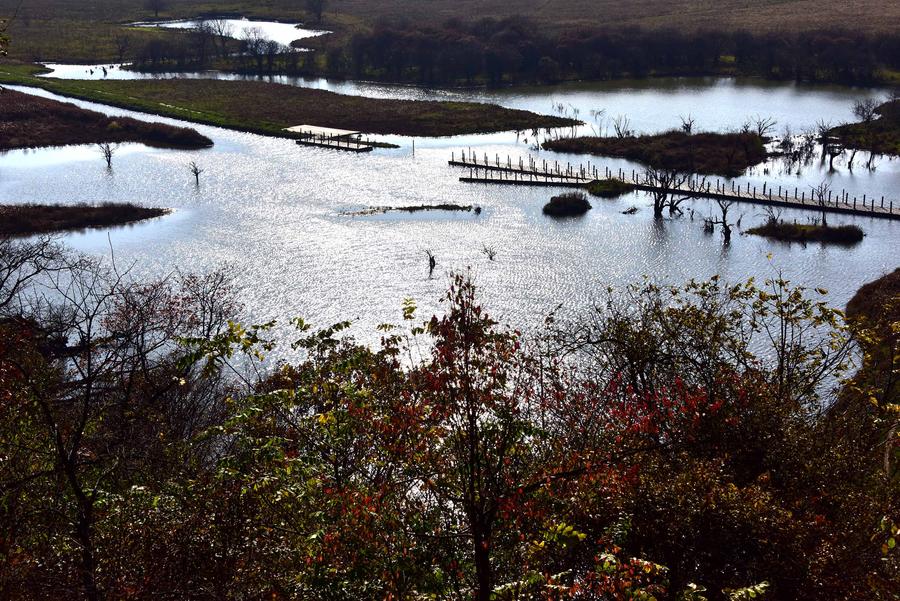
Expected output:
(47, 30)
(269, 108)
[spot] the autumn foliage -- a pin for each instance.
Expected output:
(675, 443)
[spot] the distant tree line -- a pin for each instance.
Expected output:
(514, 50)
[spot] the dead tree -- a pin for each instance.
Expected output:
(687, 124)
(489, 251)
(432, 262)
(764, 125)
(622, 126)
(820, 195)
(107, 150)
(724, 206)
(668, 189)
(123, 43)
(196, 171)
(223, 31)
(866, 110)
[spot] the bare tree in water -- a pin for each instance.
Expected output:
(820, 195)
(670, 188)
(196, 171)
(724, 206)
(107, 150)
(432, 262)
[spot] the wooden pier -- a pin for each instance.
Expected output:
(529, 172)
(336, 144)
(329, 137)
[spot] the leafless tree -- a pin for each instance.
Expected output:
(109, 353)
(196, 171)
(865, 110)
(272, 49)
(724, 206)
(489, 251)
(764, 125)
(670, 188)
(833, 150)
(622, 126)
(123, 43)
(254, 44)
(107, 150)
(687, 124)
(819, 194)
(223, 31)
(432, 262)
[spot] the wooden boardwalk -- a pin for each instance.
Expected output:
(531, 173)
(345, 144)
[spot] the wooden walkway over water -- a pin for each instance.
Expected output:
(532, 173)
(346, 145)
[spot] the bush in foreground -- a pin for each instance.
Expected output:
(670, 444)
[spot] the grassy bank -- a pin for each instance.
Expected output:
(880, 135)
(794, 232)
(28, 121)
(269, 108)
(26, 220)
(705, 153)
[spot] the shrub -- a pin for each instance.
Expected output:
(567, 205)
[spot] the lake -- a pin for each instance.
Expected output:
(283, 33)
(272, 211)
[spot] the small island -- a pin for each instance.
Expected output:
(29, 121)
(30, 219)
(727, 155)
(796, 232)
(570, 204)
(878, 131)
(609, 188)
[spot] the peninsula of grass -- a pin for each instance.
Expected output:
(609, 188)
(794, 232)
(881, 135)
(28, 121)
(30, 219)
(570, 204)
(268, 108)
(728, 155)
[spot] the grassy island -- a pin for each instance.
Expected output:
(570, 204)
(609, 188)
(795, 232)
(28, 121)
(880, 135)
(704, 153)
(26, 220)
(267, 108)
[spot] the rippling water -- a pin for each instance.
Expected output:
(272, 211)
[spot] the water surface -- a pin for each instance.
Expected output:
(272, 212)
